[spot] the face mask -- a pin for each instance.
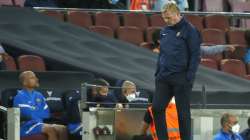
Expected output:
(236, 128)
(131, 97)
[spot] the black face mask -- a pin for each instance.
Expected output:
(100, 98)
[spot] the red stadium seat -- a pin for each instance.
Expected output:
(35, 137)
(236, 37)
(197, 21)
(130, 34)
(10, 64)
(157, 20)
(233, 66)
(55, 14)
(150, 31)
(19, 2)
(217, 22)
(213, 5)
(31, 62)
(104, 30)
(239, 53)
(213, 36)
(82, 19)
(107, 19)
(139, 20)
(209, 63)
(6, 2)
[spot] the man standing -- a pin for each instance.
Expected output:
(176, 67)
(230, 128)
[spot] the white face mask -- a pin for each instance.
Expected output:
(236, 128)
(131, 97)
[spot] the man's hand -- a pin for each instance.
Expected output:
(231, 48)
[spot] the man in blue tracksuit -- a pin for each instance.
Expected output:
(176, 67)
(34, 110)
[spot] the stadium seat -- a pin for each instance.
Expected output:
(197, 21)
(139, 20)
(107, 19)
(19, 3)
(104, 30)
(6, 2)
(82, 19)
(233, 66)
(35, 137)
(130, 34)
(157, 20)
(218, 22)
(55, 14)
(10, 64)
(210, 63)
(239, 53)
(213, 36)
(31, 62)
(149, 32)
(236, 37)
(213, 5)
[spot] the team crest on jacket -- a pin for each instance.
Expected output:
(38, 100)
(178, 34)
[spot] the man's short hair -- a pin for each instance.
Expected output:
(225, 118)
(171, 6)
(100, 82)
(23, 74)
(247, 37)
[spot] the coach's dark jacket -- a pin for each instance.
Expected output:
(179, 50)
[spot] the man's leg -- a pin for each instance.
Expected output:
(61, 131)
(182, 97)
(161, 99)
(50, 132)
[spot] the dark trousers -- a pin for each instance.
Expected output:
(175, 85)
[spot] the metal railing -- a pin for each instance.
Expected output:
(230, 14)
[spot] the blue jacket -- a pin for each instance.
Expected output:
(247, 56)
(32, 105)
(179, 50)
(221, 135)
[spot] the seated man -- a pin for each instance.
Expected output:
(230, 128)
(99, 94)
(34, 110)
(128, 95)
